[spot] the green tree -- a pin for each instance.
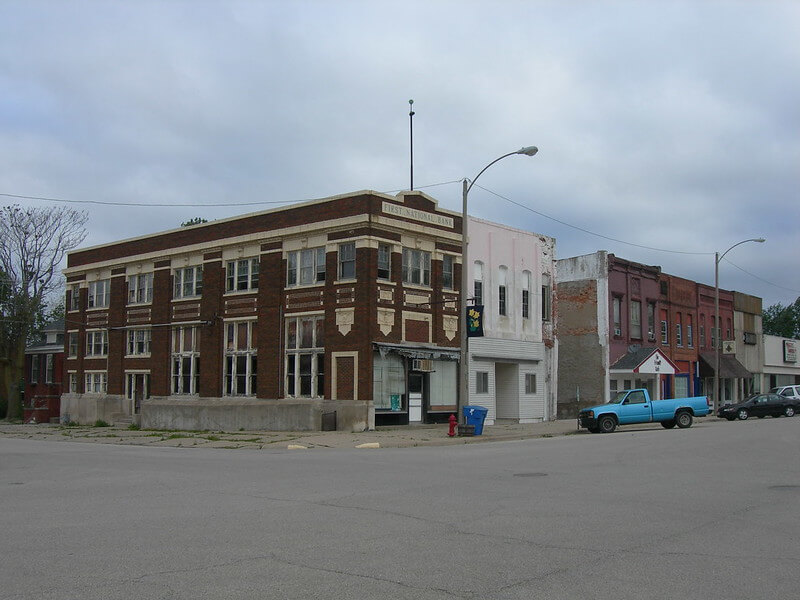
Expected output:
(33, 243)
(782, 320)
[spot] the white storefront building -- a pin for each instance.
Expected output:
(512, 368)
(781, 366)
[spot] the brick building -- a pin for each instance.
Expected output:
(622, 324)
(342, 310)
(44, 370)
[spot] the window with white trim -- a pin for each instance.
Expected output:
(49, 368)
(347, 260)
(185, 347)
(139, 342)
(384, 261)
(35, 368)
(447, 272)
(305, 267)
(636, 319)
(72, 379)
(241, 358)
(678, 330)
(188, 282)
(72, 347)
(530, 383)
(481, 382)
(416, 267)
(690, 331)
(477, 289)
(140, 288)
(526, 294)
(96, 382)
(241, 275)
(546, 298)
(75, 297)
(305, 356)
(502, 276)
(99, 292)
(97, 343)
(137, 388)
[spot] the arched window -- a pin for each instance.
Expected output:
(478, 285)
(526, 294)
(502, 276)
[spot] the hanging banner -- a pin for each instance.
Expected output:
(475, 321)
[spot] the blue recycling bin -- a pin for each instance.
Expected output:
(475, 415)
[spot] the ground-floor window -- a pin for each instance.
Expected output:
(482, 382)
(388, 381)
(241, 358)
(96, 382)
(305, 356)
(72, 378)
(185, 369)
(530, 383)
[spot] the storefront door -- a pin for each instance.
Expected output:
(415, 392)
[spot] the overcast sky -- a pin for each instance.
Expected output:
(668, 125)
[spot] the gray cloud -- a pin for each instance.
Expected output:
(663, 124)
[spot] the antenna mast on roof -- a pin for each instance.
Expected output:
(411, 137)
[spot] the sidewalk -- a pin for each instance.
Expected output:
(382, 437)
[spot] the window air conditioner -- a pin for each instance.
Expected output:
(424, 365)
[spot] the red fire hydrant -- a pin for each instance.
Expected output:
(453, 422)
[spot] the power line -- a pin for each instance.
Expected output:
(762, 279)
(166, 205)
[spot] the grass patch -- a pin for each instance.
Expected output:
(212, 438)
(133, 427)
(101, 423)
(178, 436)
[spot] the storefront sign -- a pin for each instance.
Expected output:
(417, 215)
(789, 351)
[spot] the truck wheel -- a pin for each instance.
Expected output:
(743, 414)
(668, 424)
(607, 424)
(789, 411)
(684, 419)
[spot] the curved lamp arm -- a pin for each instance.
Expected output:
(759, 240)
(527, 151)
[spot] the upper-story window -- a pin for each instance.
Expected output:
(384, 261)
(651, 321)
(447, 272)
(188, 282)
(678, 330)
(305, 267)
(75, 297)
(689, 331)
(140, 288)
(97, 343)
(416, 267)
(526, 294)
(477, 293)
(72, 350)
(99, 292)
(636, 319)
(241, 275)
(616, 305)
(502, 276)
(664, 328)
(139, 342)
(347, 260)
(546, 298)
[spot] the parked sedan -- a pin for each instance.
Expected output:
(760, 405)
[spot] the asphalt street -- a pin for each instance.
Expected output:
(708, 512)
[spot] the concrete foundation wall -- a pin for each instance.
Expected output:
(86, 409)
(221, 414)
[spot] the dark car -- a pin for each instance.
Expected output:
(760, 405)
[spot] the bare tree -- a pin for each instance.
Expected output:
(33, 243)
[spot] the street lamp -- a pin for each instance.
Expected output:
(718, 338)
(463, 363)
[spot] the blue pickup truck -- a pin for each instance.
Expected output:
(635, 406)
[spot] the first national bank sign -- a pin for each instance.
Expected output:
(417, 215)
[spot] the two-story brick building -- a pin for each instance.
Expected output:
(344, 308)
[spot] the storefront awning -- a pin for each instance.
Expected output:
(729, 367)
(645, 360)
(423, 351)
